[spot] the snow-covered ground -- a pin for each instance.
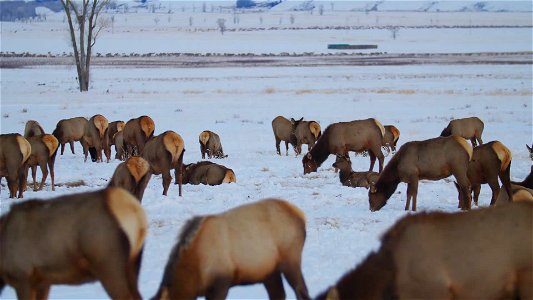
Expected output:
(240, 103)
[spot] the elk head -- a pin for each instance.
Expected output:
(309, 164)
(530, 149)
(376, 199)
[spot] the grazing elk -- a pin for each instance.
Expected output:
(339, 138)
(252, 243)
(136, 133)
(207, 172)
(32, 128)
(390, 138)
(165, 152)
(468, 128)
(118, 139)
(210, 144)
(132, 175)
(95, 136)
(14, 153)
(70, 131)
(72, 240)
(431, 159)
(489, 162)
(113, 128)
(284, 131)
(306, 132)
(354, 179)
(458, 250)
(43, 154)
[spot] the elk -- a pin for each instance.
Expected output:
(113, 128)
(252, 243)
(132, 175)
(136, 133)
(530, 150)
(520, 191)
(339, 138)
(70, 131)
(306, 132)
(43, 154)
(284, 131)
(32, 128)
(457, 250)
(468, 128)
(354, 179)
(118, 139)
(390, 138)
(73, 239)
(207, 172)
(95, 136)
(210, 144)
(165, 152)
(431, 159)
(14, 153)
(489, 162)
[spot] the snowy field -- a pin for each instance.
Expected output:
(240, 103)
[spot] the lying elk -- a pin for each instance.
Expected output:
(390, 138)
(339, 138)
(210, 144)
(520, 191)
(457, 250)
(132, 175)
(165, 152)
(32, 128)
(431, 159)
(95, 136)
(207, 172)
(489, 162)
(468, 128)
(136, 133)
(354, 179)
(284, 131)
(306, 132)
(60, 244)
(70, 131)
(43, 154)
(14, 153)
(252, 243)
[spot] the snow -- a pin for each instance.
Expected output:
(240, 103)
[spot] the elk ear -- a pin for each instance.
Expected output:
(301, 119)
(293, 121)
(373, 188)
(529, 148)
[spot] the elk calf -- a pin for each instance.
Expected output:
(284, 130)
(14, 153)
(32, 128)
(43, 154)
(306, 132)
(458, 250)
(390, 138)
(165, 152)
(252, 243)
(70, 131)
(431, 159)
(210, 144)
(489, 162)
(136, 133)
(132, 175)
(72, 240)
(354, 179)
(207, 172)
(468, 128)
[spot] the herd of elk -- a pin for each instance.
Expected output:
(252, 243)
(448, 256)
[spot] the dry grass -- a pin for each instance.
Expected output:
(71, 184)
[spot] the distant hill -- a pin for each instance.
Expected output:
(24, 10)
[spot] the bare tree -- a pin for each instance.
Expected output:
(83, 20)
(221, 25)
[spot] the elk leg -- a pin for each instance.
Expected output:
(219, 289)
(114, 279)
(62, 148)
(286, 148)
(412, 191)
(25, 291)
(464, 193)
(476, 189)
(274, 286)
(474, 142)
(294, 277)
(51, 163)
(480, 141)
(278, 151)
(42, 292)
(71, 147)
(166, 181)
(495, 187)
(22, 179)
(44, 172)
(372, 160)
(34, 177)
